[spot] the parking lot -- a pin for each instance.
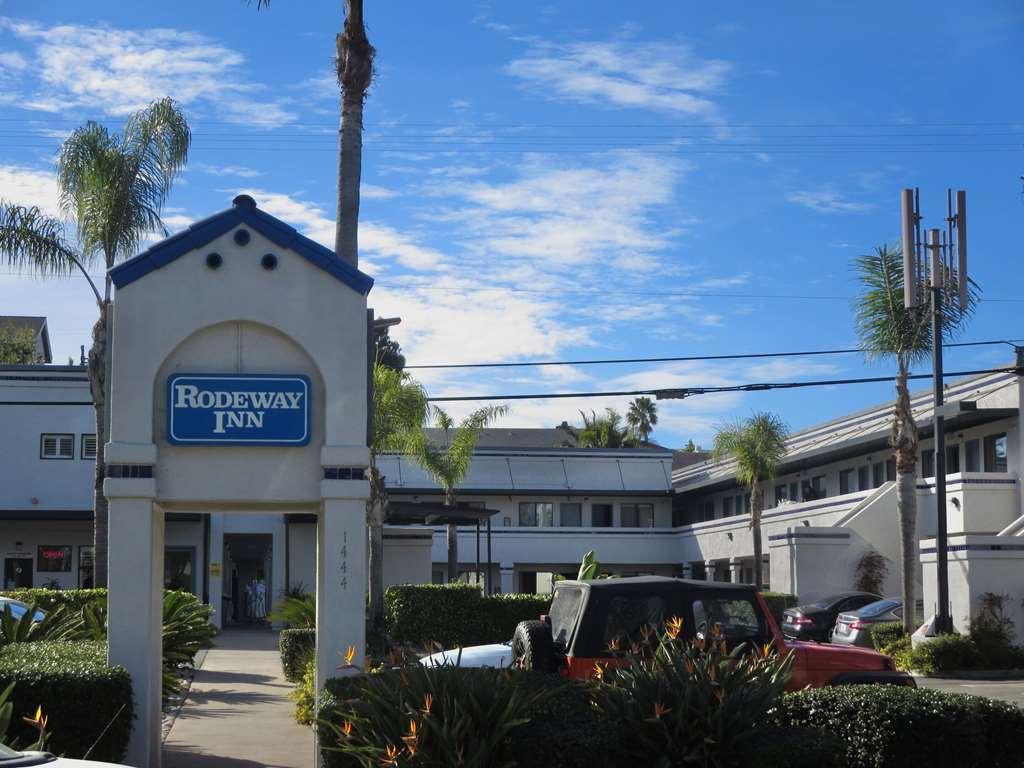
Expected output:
(1007, 690)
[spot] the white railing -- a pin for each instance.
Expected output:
(1016, 528)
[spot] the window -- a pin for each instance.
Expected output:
(845, 481)
(952, 459)
(536, 514)
(506, 521)
(563, 615)
(928, 463)
(737, 619)
(727, 506)
(709, 509)
(740, 503)
(794, 491)
(570, 515)
(179, 568)
(878, 474)
(627, 614)
(630, 516)
(601, 515)
(780, 494)
(53, 559)
(85, 566)
(890, 469)
(995, 453)
(818, 484)
(56, 446)
(972, 455)
(88, 449)
(863, 478)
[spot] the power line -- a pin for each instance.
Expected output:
(688, 358)
(678, 393)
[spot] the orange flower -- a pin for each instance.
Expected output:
(673, 627)
(346, 729)
(766, 649)
(660, 710)
(698, 643)
(390, 755)
(613, 645)
(39, 721)
(599, 670)
(428, 702)
(349, 655)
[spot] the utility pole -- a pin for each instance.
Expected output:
(937, 268)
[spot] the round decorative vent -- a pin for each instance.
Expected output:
(214, 260)
(269, 262)
(242, 237)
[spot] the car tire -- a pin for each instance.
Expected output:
(532, 647)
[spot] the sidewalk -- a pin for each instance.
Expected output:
(237, 714)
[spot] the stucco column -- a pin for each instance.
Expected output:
(135, 606)
(709, 570)
(736, 570)
(341, 578)
(215, 568)
(508, 579)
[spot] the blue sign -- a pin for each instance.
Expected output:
(237, 409)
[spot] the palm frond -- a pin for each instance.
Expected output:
(757, 445)
(400, 408)
(449, 464)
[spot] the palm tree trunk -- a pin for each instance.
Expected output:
(904, 442)
(452, 533)
(98, 387)
(355, 71)
(755, 528)
(375, 517)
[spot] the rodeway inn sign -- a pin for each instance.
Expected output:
(237, 409)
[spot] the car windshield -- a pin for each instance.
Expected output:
(564, 608)
(879, 607)
(736, 618)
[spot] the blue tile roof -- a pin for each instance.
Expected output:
(243, 211)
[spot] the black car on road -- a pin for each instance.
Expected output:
(815, 621)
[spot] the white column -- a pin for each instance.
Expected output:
(736, 570)
(276, 585)
(135, 609)
(341, 581)
(215, 568)
(508, 579)
(709, 570)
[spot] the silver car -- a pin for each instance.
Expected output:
(854, 627)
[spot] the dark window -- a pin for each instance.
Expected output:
(863, 478)
(878, 474)
(56, 446)
(780, 494)
(601, 515)
(845, 481)
(952, 459)
(88, 450)
(890, 469)
(727, 506)
(928, 463)
(528, 582)
(972, 455)
(736, 618)
(709, 509)
(180, 568)
(536, 514)
(570, 515)
(85, 566)
(995, 453)
(53, 559)
(642, 513)
(794, 491)
(630, 516)
(626, 616)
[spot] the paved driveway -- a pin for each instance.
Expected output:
(1007, 690)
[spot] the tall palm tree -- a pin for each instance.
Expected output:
(449, 462)
(112, 188)
(757, 445)
(641, 417)
(354, 70)
(399, 410)
(888, 330)
(605, 431)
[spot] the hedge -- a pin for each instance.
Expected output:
(297, 649)
(887, 725)
(778, 602)
(78, 691)
(886, 633)
(48, 599)
(456, 614)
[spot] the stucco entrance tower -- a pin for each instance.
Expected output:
(239, 365)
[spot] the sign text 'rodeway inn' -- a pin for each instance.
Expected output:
(238, 409)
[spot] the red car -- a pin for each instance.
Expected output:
(586, 617)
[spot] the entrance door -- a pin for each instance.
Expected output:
(17, 572)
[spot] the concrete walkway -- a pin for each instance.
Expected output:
(237, 714)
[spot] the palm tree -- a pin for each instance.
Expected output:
(399, 410)
(449, 463)
(757, 445)
(354, 70)
(113, 188)
(641, 417)
(604, 431)
(888, 330)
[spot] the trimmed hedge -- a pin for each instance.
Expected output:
(48, 599)
(888, 725)
(456, 614)
(297, 649)
(778, 602)
(945, 653)
(79, 692)
(886, 633)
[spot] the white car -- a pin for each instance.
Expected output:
(497, 655)
(8, 757)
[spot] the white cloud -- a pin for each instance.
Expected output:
(30, 186)
(660, 76)
(373, 192)
(827, 200)
(12, 61)
(239, 171)
(119, 71)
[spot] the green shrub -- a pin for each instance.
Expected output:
(430, 716)
(887, 725)
(886, 633)
(456, 614)
(777, 602)
(297, 649)
(900, 652)
(946, 653)
(993, 634)
(304, 694)
(78, 691)
(48, 599)
(794, 748)
(186, 631)
(691, 702)
(295, 611)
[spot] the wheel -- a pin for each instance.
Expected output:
(532, 646)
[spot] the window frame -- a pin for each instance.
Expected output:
(68, 560)
(81, 446)
(622, 515)
(990, 445)
(561, 514)
(58, 436)
(608, 509)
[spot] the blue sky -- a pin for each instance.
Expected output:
(540, 179)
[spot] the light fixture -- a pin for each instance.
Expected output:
(807, 523)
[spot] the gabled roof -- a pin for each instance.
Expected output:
(243, 211)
